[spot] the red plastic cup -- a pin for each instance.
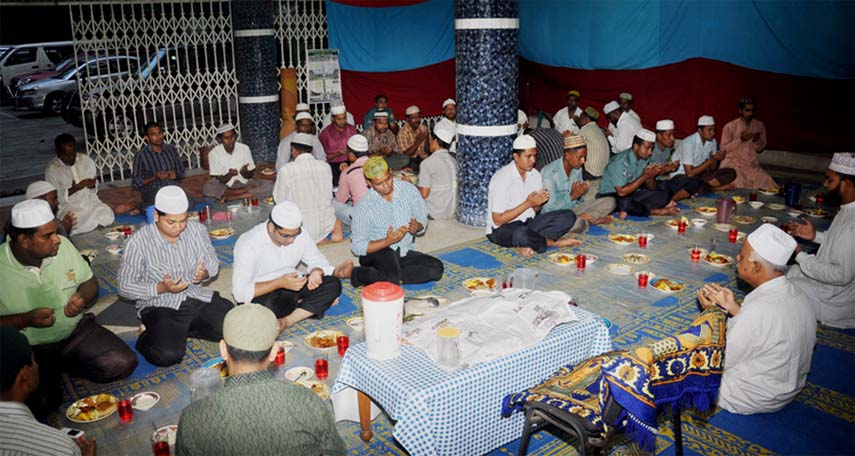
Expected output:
(643, 277)
(581, 260)
(280, 357)
(681, 227)
(322, 366)
(126, 413)
(820, 199)
(254, 202)
(752, 196)
(696, 255)
(203, 215)
(731, 235)
(161, 448)
(642, 240)
(342, 342)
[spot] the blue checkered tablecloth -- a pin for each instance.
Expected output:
(459, 413)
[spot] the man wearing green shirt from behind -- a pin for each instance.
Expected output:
(46, 287)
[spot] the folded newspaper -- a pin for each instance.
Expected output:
(493, 326)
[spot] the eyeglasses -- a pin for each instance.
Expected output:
(290, 236)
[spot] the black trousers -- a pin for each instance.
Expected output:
(164, 340)
(679, 182)
(283, 302)
(336, 173)
(724, 176)
(387, 265)
(640, 202)
(91, 352)
(535, 231)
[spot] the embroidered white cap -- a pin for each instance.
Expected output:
(412, 110)
(39, 188)
(304, 139)
(358, 143)
(841, 162)
(705, 120)
(302, 107)
(626, 96)
(31, 213)
(524, 142)
(224, 128)
(611, 106)
(522, 117)
(646, 135)
(171, 200)
(381, 115)
(338, 110)
(772, 244)
(665, 125)
(302, 115)
(444, 131)
(287, 215)
(448, 101)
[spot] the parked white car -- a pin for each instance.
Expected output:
(24, 58)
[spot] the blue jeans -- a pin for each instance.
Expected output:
(342, 211)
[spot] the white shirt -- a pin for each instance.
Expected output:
(220, 162)
(828, 278)
(453, 124)
(632, 113)
(23, 435)
(307, 182)
(769, 349)
(627, 127)
(84, 203)
(258, 259)
(563, 121)
(507, 191)
(438, 172)
(283, 152)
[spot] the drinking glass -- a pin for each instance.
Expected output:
(696, 254)
(322, 366)
(126, 413)
(448, 349)
(642, 240)
(581, 260)
(343, 342)
(731, 235)
(643, 277)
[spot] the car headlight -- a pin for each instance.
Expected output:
(27, 92)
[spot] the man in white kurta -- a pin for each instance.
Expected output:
(231, 166)
(770, 337)
(564, 119)
(307, 182)
(304, 125)
(73, 175)
(449, 118)
(828, 278)
(626, 126)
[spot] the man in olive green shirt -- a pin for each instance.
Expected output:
(255, 413)
(46, 287)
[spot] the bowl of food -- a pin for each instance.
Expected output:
(756, 204)
(699, 222)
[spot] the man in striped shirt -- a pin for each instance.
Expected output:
(163, 269)
(22, 434)
(156, 165)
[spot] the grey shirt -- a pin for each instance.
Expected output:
(438, 172)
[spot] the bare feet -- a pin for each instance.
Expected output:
(142, 328)
(622, 215)
(343, 270)
(526, 251)
(337, 232)
(564, 242)
(121, 208)
(605, 220)
(665, 211)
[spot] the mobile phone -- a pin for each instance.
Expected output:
(73, 433)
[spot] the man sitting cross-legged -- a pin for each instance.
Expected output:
(515, 198)
(266, 258)
(231, 167)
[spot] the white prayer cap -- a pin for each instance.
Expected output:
(171, 200)
(664, 125)
(31, 213)
(524, 142)
(286, 214)
(302, 107)
(444, 131)
(358, 143)
(611, 106)
(303, 115)
(447, 102)
(626, 96)
(303, 139)
(705, 120)
(381, 115)
(646, 135)
(522, 117)
(412, 110)
(338, 110)
(224, 128)
(39, 188)
(772, 244)
(841, 162)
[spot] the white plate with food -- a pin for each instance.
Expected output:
(723, 227)
(93, 408)
(268, 171)
(756, 204)
(356, 323)
(622, 238)
(299, 373)
(668, 285)
(324, 339)
(319, 388)
(744, 219)
(699, 222)
(777, 206)
(145, 401)
(286, 345)
(114, 249)
(114, 235)
(738, 199)
(816, 212)
(716, 259)
(619, 269)
(636, 258)
(121, 229)
(673, 223)
(222, 233)
(706, 210)
(768, 219)
(771, 191)
(794, 213)
(480, 284)
(569, 259)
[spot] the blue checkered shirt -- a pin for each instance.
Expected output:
(373, 216)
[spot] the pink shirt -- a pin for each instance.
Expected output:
(334, 141)
(352, 183)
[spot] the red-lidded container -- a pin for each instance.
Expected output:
(383, 312)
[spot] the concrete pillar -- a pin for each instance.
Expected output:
(486, 91)
(256, 68)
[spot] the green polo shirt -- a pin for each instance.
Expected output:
(26, 288)
(622, 169)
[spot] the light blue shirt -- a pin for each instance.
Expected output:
(622, 169)
(373, 216)
(693, 151)
(660, 156)
(559, 185)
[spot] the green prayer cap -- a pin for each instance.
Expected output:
(375, 167)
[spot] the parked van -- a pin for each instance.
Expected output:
(24, 58)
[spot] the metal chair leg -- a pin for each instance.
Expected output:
(678, 433)
(523, 449)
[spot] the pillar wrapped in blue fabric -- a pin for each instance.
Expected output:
(486, 61)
